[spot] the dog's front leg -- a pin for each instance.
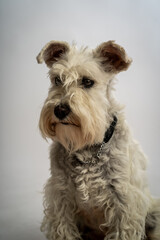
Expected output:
(59, 220)
(125, 215)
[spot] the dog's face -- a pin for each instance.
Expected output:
(77, 110)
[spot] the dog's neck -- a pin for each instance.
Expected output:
(96, 150)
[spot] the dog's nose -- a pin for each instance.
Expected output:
(61, 111)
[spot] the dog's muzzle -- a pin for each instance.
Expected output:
(61, 111)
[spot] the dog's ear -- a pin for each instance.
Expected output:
(112, 57)
(51, 52)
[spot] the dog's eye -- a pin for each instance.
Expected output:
(57, 81)
(87, 83)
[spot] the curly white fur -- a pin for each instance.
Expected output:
(87, 197)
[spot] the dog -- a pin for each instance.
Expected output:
(98, 188)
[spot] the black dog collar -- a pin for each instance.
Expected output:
(108, 135)
(110, 130)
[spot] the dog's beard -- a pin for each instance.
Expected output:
(70, 136)
(74, 132)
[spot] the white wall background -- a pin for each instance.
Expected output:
(25, 26)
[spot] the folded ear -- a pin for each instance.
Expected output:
(51, 52)
(112, 56)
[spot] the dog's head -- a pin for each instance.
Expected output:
(78, 108)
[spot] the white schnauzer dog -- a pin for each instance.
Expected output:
(98, 188)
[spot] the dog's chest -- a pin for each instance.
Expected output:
(88, 175)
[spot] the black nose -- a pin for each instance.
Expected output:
(61, 111)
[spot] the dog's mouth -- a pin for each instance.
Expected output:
(65, 123)
(69, 123)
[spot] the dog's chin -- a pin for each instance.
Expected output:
(70, 136)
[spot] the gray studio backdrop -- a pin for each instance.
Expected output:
(25, 26)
